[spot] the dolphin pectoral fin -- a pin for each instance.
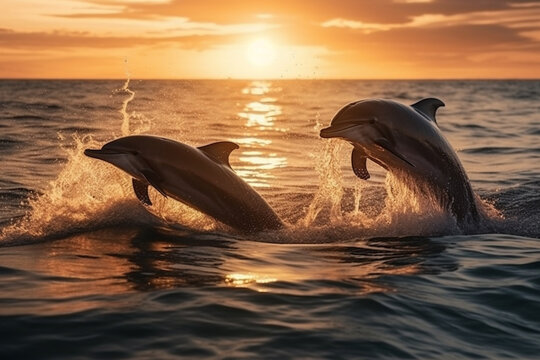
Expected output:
(358, 162)
(386, 145)
(154, 180)
(141, 191)
(219, 151)
(428, 107)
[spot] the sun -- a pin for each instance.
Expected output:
(261, 53)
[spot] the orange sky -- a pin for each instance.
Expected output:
(270, 39)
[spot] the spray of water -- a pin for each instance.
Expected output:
(328, 196)
(410, 211)
(399, 207)
(125, 127)
(88, 195)
(396, 208)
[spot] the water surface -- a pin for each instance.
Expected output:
(87, 272)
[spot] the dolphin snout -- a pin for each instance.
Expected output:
(99, 153)
(337, 130)
(93, 153)
(326, 133)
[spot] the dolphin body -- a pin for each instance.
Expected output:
(407, 141)
(201, 178)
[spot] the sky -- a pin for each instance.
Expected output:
(270, 39)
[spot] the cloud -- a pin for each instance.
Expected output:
(59, 39)
(516, 17)
(458, 38)
(232, 11)
(206, 24)
(466, 38)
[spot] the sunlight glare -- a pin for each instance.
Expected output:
(261, 53)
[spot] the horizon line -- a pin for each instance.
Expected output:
(270, 79)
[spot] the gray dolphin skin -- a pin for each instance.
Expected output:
(407, 141)
(201, 178)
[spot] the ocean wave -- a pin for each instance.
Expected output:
(9, 143)
(500, 150)
(28, 117)
(30, 105)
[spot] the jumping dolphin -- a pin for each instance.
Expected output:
(406, 140)
(199, 177)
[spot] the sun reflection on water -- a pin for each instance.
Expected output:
(252, 142)
(260, 115)
(257, 88)
(273, 278)
(272, 161)
(239, 280)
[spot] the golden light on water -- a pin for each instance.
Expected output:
(257, 88)
(334, 264)
(260, 116)
(261, 113)
(256, 165)
(239, 280)
(272, 161)
(251, 142)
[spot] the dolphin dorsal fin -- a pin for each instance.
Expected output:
(428, 107)
(219, 151)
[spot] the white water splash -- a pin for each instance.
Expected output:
(125, 103)
(396, 208)
(330, 191)
(88, 195)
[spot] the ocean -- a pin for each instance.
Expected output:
(363, 269)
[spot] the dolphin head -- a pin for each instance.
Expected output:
(366, 121)
(387, 132)
(124, 153)
(354, 123)
(368, 125)
(120, 146)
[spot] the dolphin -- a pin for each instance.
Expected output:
(201, 178)
(407, 141)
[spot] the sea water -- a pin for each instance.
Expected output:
(364, 269)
